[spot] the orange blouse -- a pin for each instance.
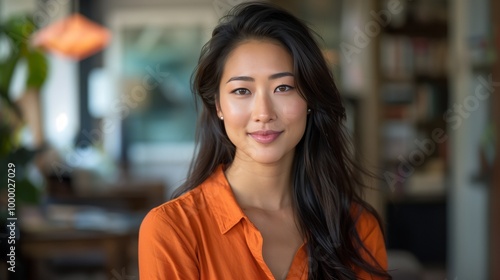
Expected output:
(204, 234)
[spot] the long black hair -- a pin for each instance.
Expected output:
(326, 182)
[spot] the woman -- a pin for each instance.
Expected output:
(273, 192)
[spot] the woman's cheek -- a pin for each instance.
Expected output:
(295, 109)
(235, 112)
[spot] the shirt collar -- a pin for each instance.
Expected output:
(221, 200)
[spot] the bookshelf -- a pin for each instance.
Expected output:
(413, 98)
(414, 101)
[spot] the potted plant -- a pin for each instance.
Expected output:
(17, 114)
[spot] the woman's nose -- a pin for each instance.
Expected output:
(263, 109)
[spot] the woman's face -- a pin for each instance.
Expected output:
(263, 113)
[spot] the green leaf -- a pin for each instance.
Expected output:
(6, 141)
(26, 192)
(7, 70)
(37, 69)
(19, 29)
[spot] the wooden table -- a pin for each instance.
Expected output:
(42, 247)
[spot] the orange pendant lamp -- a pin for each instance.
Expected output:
(75, 37)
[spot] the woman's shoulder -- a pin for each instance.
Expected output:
(176, 219)
(365, 219)
(169, 234)
(370, 234)
(178, 209)
(192, 206)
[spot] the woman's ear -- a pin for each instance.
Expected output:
(218, 110)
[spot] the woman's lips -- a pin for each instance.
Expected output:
(265, 136)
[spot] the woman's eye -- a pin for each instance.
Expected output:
(283, 88)
(241, 91)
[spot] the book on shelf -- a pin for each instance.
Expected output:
(430, 102)
(404, 57)
(398, 93)
(397, 138)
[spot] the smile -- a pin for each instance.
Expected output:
(265, 136)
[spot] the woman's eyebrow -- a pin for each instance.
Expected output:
(280, 75)
(241, 78)
(250, 79)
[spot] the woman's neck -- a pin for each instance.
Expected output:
(262, 186)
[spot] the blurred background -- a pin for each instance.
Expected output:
(98, 120)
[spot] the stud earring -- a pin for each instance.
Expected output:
(308, 111)
(221, 117)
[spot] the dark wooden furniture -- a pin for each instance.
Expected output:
(55, 247)
(77, 250)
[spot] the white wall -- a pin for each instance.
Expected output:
(468, 203)
(60, 92)
(11, 7)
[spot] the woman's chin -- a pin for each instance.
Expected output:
(268, 158)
